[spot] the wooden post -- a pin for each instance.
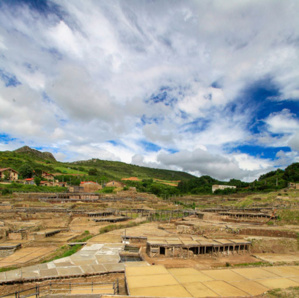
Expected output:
(37, 291)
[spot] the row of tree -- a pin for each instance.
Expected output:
(270, 181)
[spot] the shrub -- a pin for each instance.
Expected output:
(6, 191)
(107, 190)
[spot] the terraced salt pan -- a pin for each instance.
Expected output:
(157, 281)
(92, 259)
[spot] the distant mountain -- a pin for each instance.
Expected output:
(118, 170)
(38, 154)
(102, 170)
(94, 169)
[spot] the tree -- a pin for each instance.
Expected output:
(6, 175)
(92, 172)
(37, 180)
(291, 173)
(26, 171)
(76, 181)
(38, 172)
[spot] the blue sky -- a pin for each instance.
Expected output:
(207, 87)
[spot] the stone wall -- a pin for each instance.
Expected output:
(6, 252)
(268, 233)
(270, 245)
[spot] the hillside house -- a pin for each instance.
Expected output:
(9, 174)
(48, 176)
(29, 181)
(90, 186)
(294, 185)
(47, 183)
(131, 179)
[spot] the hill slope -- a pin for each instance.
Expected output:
(101, 168)
(35, 153)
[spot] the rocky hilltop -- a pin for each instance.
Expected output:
(43, 155)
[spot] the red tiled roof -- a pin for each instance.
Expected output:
(5, 169)
(131, 179)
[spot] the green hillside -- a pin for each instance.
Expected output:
(158, 181)
(271, 181)
(120, 170)
(94, 169)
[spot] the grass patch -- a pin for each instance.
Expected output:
(291, 292)
(62, 252)
(84, 237)
(4, 269)
(106, 190)
(7, 189)
(288, 216)
(66, 170)
(253, 264)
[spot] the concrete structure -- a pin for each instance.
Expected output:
(222, 187)
(100, 213)
(43, 234)
(111, 219)
(95, 259)
(75, 189)
(18, 235)
(245, 215)
(139, 241)
(9, 174)
(194, 246)
(7, 249)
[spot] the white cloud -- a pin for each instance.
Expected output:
(221, 167)
(294, 141)
(205, 99)
(282, 122)
(87, 76)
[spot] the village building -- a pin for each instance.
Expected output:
(47, 183)
(9, 174)
(294, 185)
(48, 176)
(29, 181)
(61, 184)
(131, 179)
(90, 186)
(222, 187)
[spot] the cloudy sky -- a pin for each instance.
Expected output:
(208, 87)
